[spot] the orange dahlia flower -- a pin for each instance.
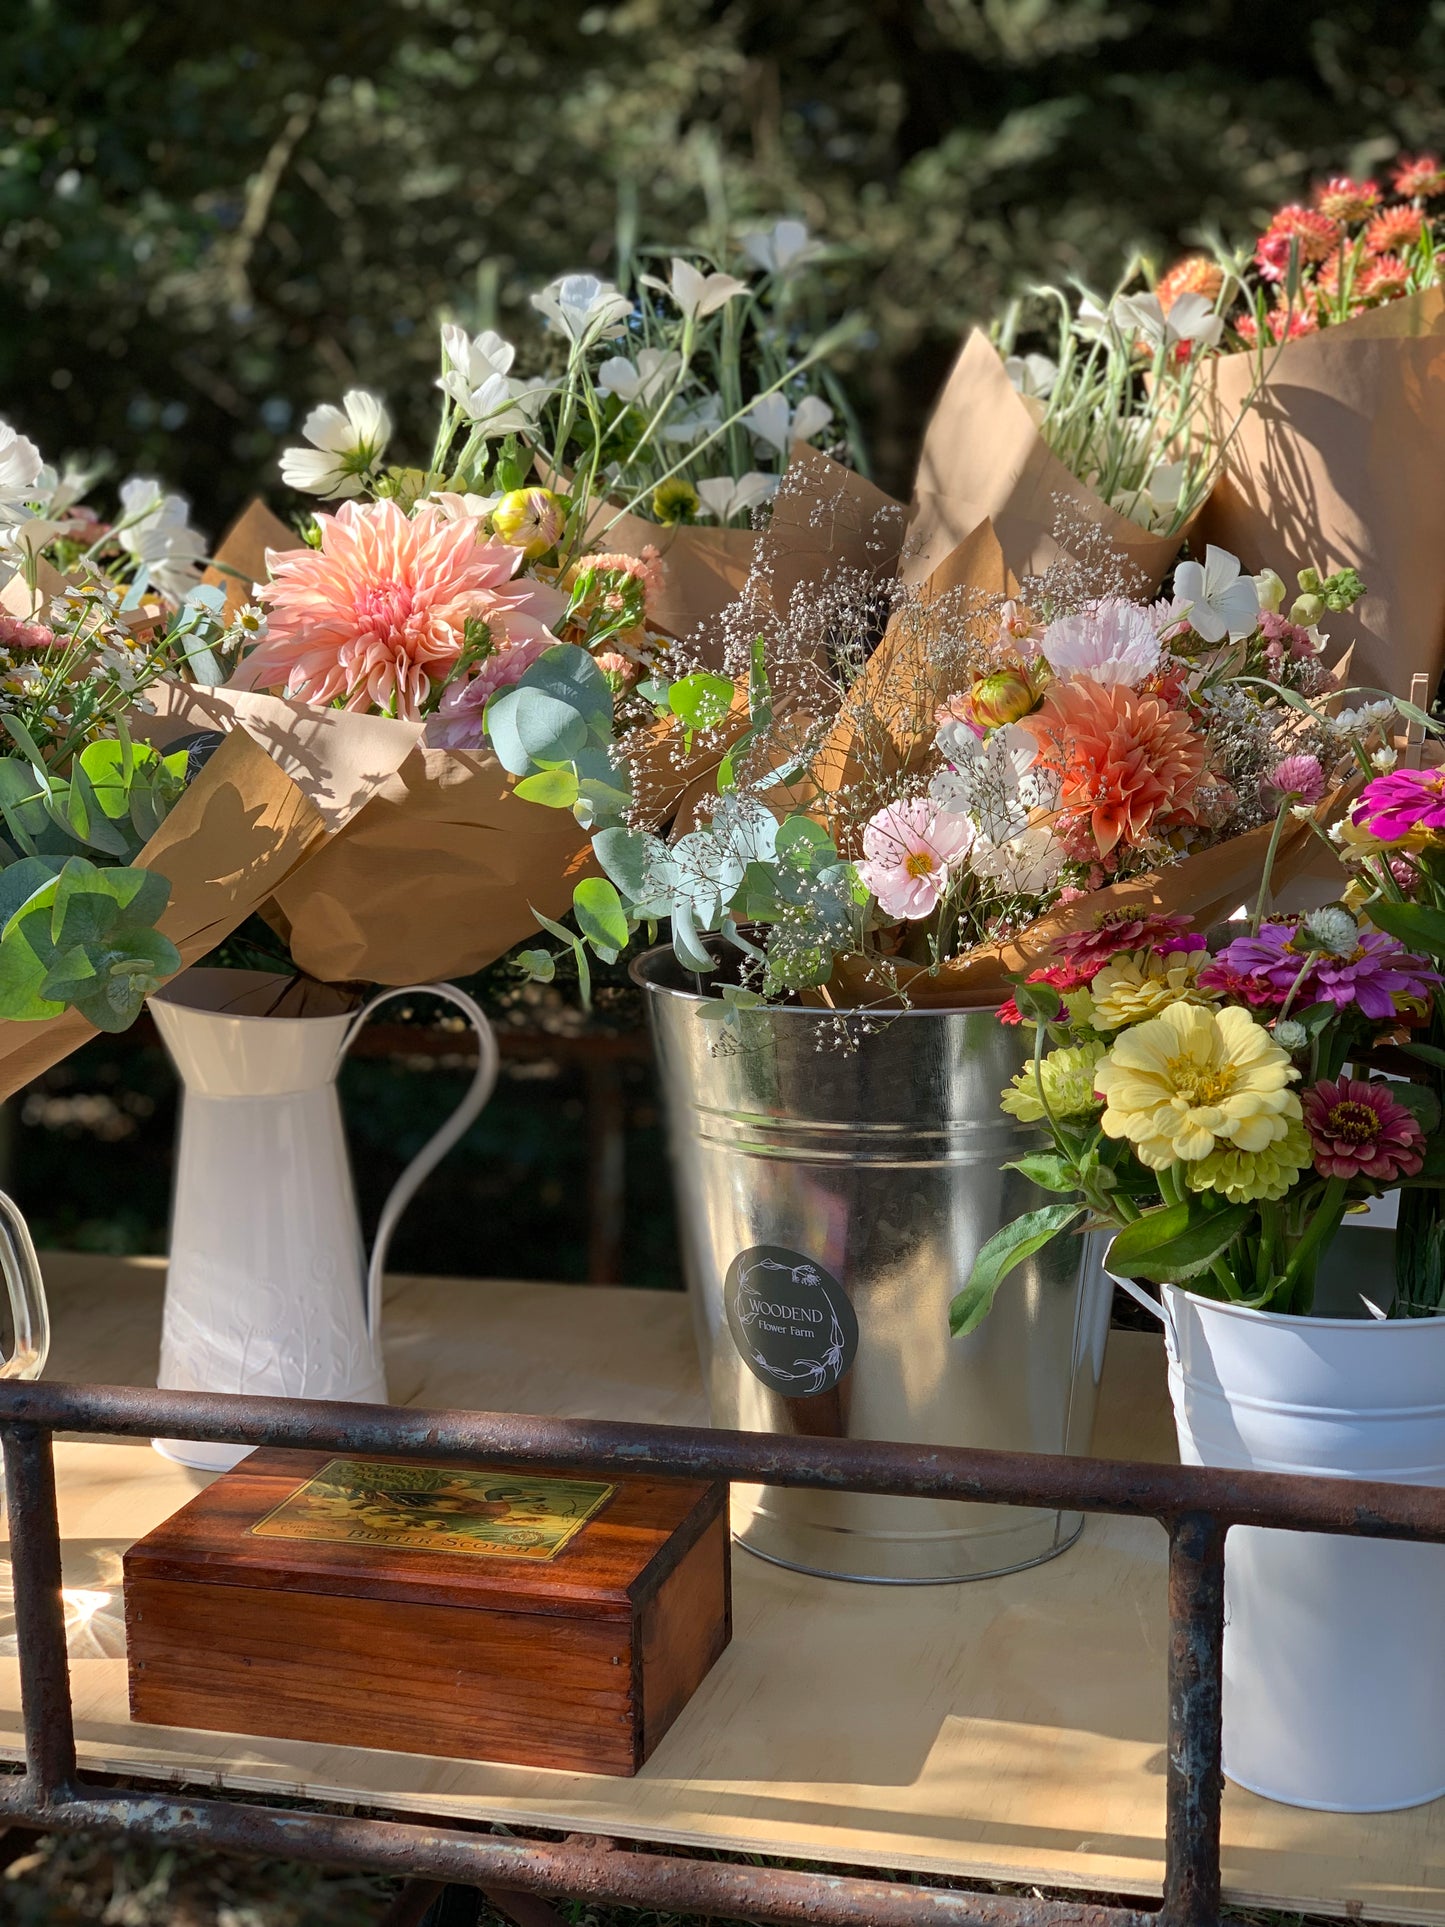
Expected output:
(1123, 758)
(378, 614)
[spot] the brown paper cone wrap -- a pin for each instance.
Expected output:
(1341, 463)
(984, 460)
(241, 825)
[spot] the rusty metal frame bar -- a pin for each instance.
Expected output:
(1197, 1506)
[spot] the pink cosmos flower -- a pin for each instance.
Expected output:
(377, 615)
(1297, 776)
(1402, 802)
(1358, 1130)
(907, 849)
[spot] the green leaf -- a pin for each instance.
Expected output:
(1421, 1102)
(1047, 1170)
(1004, 1250)
(1172, 1245)
(634, 859)
(1427, 1053)
(539, 965)
(555, 789)
(600, 915)
(1417, 925)
(1037, 1003)
(702, 701)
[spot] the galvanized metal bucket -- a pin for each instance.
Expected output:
(832, 1201)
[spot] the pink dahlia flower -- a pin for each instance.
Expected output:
(1358, 1130)
(1402, 802)
(377, 615)
(907, 849)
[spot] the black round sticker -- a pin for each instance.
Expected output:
(790, 1319)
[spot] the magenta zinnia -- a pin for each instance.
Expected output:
(1401, 803)
(1357, 1129)
(1379, 975)
(378, 614)
(1083, 954)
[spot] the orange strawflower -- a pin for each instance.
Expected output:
(1123, 759)
(1385, 279)
(1342, 199)
(1421, 178)
(1393, 228)
(1313, 233)
(1195, 274)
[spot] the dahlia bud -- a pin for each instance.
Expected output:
(530, 519)
(1004, 697)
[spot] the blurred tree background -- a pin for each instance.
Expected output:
(213, 216)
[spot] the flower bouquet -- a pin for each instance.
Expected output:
(118, 863)
(1337, 461)
(1209, 1098)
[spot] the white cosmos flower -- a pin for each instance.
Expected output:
(689, 425)
(473, 358)
(777, 425)
(993, 781)
(346, 444)
(780, 247)
(1190, 319)
(1114, 642)
(639, 383)
(1221, 601)
(584, 308)
(155, 528)
(1027, 862)
(695, 293)
(20, 466)
(1032, 375)
(724, 496)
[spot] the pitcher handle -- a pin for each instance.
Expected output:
(29, 1312)
(435, 1149)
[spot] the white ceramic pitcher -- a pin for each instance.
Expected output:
(268, 1289)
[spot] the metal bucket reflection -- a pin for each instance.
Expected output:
(831, 1202)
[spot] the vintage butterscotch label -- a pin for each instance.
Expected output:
(437, 1508)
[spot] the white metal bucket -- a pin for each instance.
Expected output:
(1334, 1667)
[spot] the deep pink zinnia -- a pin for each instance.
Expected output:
(1358, 1130)
(1085, 952)
(1402, 801)
(378, 614)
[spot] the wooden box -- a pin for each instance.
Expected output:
(535, 1616)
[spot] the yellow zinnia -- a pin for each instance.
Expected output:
(1142, 983)
(1246, 1176)
(1190, 1080)
(1068, 1084)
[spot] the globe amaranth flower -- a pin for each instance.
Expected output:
(1297, 776)
(1191, 1081)
(1067, 1080)
(1139, 984)
(1123, 759)
(1403, 803)
(907, 850)
(1357, 1129)
(1378, 974)
(1246, 1177)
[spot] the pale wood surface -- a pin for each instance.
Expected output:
(1009, 1729)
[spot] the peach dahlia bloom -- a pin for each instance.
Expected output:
(1124, 759)
(378, 614)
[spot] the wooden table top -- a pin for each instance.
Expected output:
(1009, 1729)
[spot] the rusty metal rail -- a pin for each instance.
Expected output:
(1196, 1507)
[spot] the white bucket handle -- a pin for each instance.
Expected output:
(435, 1149)
(29, 1314)
(1151, 1305)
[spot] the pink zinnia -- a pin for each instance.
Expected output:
(1083, 954)
(1298, 776)
(907, 849)
(377, 615)
(1402, 802)
(1358, 1130)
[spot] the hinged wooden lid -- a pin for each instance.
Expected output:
(514, 1539)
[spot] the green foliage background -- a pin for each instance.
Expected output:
(213, 215)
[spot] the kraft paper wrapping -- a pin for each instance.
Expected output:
(984, 460)
(241, 825)
(1341, 463)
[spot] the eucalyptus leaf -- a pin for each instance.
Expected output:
(555, 789)
(600, 915)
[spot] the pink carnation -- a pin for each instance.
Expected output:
(907, 848)
(377, 615)
(15, 634)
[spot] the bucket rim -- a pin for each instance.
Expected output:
(638, 971)
(1302, 1321)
